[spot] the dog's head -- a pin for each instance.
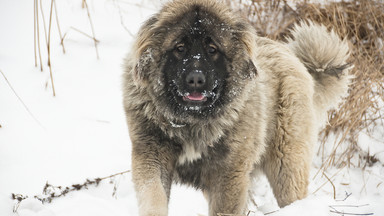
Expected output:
(194, 57)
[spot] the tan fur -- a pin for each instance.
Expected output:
(327, 52)
(270, 123)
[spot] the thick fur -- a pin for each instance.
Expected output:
(273, 100)
(325, 58)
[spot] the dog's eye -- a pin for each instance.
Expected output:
(180, 48)
(212, 49)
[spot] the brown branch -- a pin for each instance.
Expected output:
(268, 213)
(333, 186)
(51, 192)
(334, 210)
(349, 206)
(93, 31)
(38, 33)
(346, 213)
(346, 196)
(43, 17)
(81, 32)
(34, 30)
(58, 26)
(321, 186)
(114, 175)
(49, 49)
(121, 18)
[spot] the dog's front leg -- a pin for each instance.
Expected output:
(228, 193)
(152, 168)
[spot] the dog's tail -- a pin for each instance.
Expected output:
(324, 55)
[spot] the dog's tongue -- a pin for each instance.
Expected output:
(195, 96)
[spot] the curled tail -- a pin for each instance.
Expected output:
(324, 55)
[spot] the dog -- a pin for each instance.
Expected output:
(209, 103)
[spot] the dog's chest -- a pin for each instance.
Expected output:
(190, 153)
(197, 168)
(195, 142)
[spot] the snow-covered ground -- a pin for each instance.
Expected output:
(81, 133)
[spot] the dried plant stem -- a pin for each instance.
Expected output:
(21, 101)
(58, 26)
(268, 213)
(49, 49)
(43, 17)
(347, 195)
(336, 211)
(51, 192)
(321, 186)
(121, 18)
(345, 213)
(34, 31)
(38, 32)
(225, 214)
(81, 32)
(333, 186)
(93, 31)
(117, 174)
(349, 206)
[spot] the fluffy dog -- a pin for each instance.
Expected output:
(208, 103)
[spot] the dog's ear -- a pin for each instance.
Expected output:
(143, 57)
(143, 67)
(243, 63)
(248, 40)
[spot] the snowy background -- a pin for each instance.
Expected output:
(81, 132)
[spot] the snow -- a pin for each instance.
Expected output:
(81, 133)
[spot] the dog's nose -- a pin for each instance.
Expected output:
(195, 79)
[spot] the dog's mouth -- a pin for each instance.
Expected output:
(196, 100)
(195, 97)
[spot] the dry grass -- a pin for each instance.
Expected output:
(47, 37)
(85, 5)
(362, 23)
(39, 17)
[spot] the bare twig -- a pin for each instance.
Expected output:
(121, 18)
(346, 213)
(51, 192)
(38, 32)
(58, 26)
(272, 212)
(21, 101)
(49, 49)
(34, 30)
(321, 186)
(249, 212)
(333, 186)
(93, 31)
(225, 214)
(336, 211)
(349, 206)
(346, 196)
(81, 32)
(138, 5)
(43, 17)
